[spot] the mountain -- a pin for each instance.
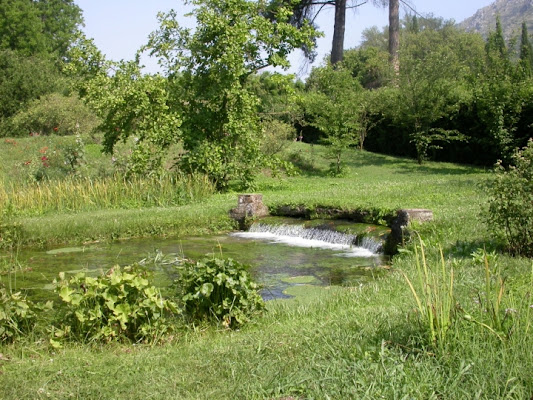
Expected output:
(512, 14)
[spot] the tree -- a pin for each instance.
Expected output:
(39, 27)
(497, 54)
(526, 52)
(394, 33)
(61, 20)
(136, 106)
(233, 40)
(335, 104)
(369, 65)
(429, 89)
(23, 79)
(308, 10)
(337, 46)
(21, 28)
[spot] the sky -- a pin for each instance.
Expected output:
(120, 27)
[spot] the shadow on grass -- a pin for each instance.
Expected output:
(404, 165)
(465, 248)
(306, 164)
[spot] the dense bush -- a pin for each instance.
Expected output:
(276, 135)
(122, 304)
(218, 288)
(55, 114)
(510, 207)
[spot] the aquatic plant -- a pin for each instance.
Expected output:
(17, 315)
(219, 289)
(121, 304)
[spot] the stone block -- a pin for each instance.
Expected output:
(249, 206)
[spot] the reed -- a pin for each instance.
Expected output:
(115, 192)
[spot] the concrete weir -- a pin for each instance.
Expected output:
(250, 207)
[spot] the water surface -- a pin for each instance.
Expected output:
(274, 264)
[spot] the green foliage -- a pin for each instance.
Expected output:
(34, 37)
(497, 53)
(17, 315)
(434, 296)
(61, 20)
(38, 27)
(510, 204)
(526, 53)
(369, 65)
(233, 40)
(75, 156)
(54, 114)
(219, 289)
(276, 135)
(429, 89)
(131, 105)
(121, 304)
(11, 233)
(23, 79)
(21, 27)
(334, 105)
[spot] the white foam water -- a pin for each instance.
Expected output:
(299, 236)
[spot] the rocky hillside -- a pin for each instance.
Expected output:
(512, 13)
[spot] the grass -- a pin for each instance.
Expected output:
(75, 194)
(333, 343)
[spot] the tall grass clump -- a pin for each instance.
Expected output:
(502, 311)
(433, 291)
(84, 194)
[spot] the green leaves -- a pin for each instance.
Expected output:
(17, 315)
(219, 289)
(119, 305)
(510, 207)
(233, 40)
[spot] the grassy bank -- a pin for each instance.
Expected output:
(333, 343)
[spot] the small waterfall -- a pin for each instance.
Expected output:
(369, 243)
(299, 231)
(298, 235)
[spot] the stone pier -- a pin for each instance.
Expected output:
(249, 206)
(399, 232)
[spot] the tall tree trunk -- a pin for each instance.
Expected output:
(337, 47)
(394, 34)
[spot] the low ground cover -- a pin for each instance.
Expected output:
(365, 342)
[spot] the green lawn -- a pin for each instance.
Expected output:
(329, 343)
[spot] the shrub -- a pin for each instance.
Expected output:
(219, 289)
(276, 136)
(55, 114)
(510, 205)
(17, 315)
(122, 304)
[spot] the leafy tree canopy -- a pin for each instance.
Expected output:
(38, 27)
(233, 40)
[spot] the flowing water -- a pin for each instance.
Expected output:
(280, 255)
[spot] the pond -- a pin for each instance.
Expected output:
(278, 262)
